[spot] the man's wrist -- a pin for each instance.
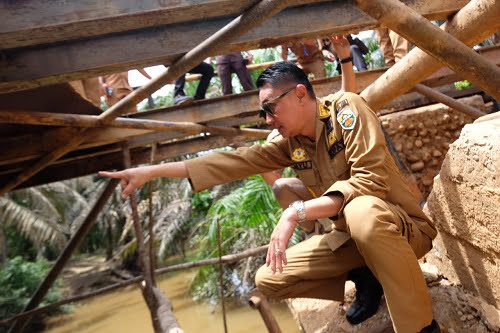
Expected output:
(291, 215)
(346, 60)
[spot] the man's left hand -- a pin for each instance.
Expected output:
(276, 253)
(341, 46)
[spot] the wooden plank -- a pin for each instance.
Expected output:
(34, 22)
(49, 64)
(114, 161)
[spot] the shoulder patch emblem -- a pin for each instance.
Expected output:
(299, 154)
(324, 111)
(346, 118)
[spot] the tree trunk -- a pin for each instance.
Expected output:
(3, 247)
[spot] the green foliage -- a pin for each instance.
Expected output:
(374, 58)
(19, 280)
(461, 85)
(247, 217)
(201, 203)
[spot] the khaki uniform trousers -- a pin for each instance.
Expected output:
(379, 235)
(394, 47)
(317, 68)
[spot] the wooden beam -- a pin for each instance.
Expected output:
(472, 24)
(34, 22)
(442, 46)
(53, 63)
(87, 166)
(251, 18)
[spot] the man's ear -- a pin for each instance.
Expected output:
(301, 91)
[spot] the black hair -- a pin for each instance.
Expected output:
(283, 72)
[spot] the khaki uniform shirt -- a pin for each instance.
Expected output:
(306, 51)
(349, 155)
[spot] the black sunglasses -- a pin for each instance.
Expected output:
(267, 107)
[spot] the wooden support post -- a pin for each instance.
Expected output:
(446, 100)
(230, 258)
(243, 23)
(259, 302)
(64, 257)
(442, 46)
(472, 24)
(144, 262)
(74, 120)
(152, 254)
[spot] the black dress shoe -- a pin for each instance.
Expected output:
(432, 328)
(368, 294)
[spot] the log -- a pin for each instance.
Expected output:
(213, 261)
(259, 302)
(73, 120)
(165, 313)
(442, 46)
(83, 58)
(472, 24)
(65, 255)
(452, 103)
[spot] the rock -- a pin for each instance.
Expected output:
(408, 146)
(413, 158)
(418, 143)
(418, 166)
(426, 140)
(401, 128)
(491, 316)
(436, 153)
(398, 146)
(464, 205)
(446, 145)
(385, 123)
(423, 132)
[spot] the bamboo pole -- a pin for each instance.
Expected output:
(230, 258)
(447, 100)
(237, 27)
(65, 119)
(259, 302)
(442, 46)
(144, 261)
(65, 255)
(472, 24)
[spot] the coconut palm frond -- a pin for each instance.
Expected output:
(179, 213)
(63, 196)
(31, 225)
(35, 200)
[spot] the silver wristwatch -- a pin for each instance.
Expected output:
(301, 210)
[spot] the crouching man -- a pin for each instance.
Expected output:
(337, 148)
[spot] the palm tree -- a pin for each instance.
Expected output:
(247, 217)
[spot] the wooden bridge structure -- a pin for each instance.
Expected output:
(49, 133)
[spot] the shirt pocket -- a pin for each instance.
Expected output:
(307, 177)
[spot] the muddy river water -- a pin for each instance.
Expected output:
(124, 311)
